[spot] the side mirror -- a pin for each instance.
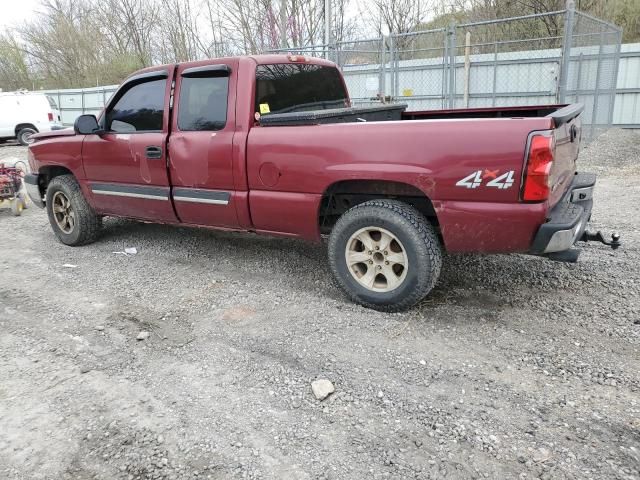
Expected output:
(87, 125)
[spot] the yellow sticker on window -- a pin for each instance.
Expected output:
(264, 108)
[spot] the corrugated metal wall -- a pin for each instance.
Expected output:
(627, 107)
(521, 78)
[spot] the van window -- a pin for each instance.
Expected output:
(203, 103)
(52, 102)
(287, 87)
(139, 109)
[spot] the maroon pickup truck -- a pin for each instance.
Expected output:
(272, 145)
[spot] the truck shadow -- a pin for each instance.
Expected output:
(482, 281)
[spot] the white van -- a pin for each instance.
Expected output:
(24, 113)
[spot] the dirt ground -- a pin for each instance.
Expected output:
(514, 367)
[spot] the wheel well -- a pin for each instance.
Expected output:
(48, 173)
(343, 195)
(20, 126)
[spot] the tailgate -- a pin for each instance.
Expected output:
(567, 133)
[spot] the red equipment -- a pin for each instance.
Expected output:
(10, 188)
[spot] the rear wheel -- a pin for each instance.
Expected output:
(24, 136)
(385, 255)
(71, 217)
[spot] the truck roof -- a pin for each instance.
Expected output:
(258, 59)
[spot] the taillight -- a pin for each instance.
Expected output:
(50, 115)
(539, 161)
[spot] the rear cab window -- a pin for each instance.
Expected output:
(290, 87)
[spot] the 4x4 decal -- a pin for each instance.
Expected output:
(475, 179)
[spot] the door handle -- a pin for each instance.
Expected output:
(153, 151)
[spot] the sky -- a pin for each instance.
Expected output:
(13, 12)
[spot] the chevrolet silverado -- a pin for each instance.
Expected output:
(271, 144)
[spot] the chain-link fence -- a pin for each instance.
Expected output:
(556, 57)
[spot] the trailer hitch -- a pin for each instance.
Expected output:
(598, 236)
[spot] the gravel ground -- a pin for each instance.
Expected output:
(514, 367)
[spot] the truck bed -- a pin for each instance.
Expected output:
(395, 112)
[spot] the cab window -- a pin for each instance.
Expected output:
(289, 87)
(139, 109)
(203, 103)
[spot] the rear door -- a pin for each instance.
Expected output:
(53, 108)
(201, 144)
(127, 166)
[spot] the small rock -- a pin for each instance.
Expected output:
(322, 388)
(143, 335)
(160, 439)
(380, 394)
(541, 455)
(100, 328)
(85, 369)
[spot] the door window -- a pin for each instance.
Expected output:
(203, 103)
(139, 109)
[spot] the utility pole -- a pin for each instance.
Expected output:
(283, 23)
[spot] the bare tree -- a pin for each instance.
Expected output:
(14, 70)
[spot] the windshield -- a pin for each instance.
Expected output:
(287, 87)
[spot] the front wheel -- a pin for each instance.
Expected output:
(385, 255)
(71, 217)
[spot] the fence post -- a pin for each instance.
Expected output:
(382, 87)
(596, 93)
(614, 86)
(445, 67)
(467, 67)
(392, 66)
(569, 17)
(578, 76)
(452, 65)
(495, 73)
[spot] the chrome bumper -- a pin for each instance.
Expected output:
(568, 220)
(33, 189)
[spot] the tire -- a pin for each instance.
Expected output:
(24, 134)
(17, 207)
(400, 284)
(23, 198)
(85, 225)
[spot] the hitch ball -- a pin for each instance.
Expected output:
(615, 240)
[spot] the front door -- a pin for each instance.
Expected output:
(201, 145)
(126, 167)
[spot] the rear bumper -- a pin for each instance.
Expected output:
(567, 221)
(33, 189)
